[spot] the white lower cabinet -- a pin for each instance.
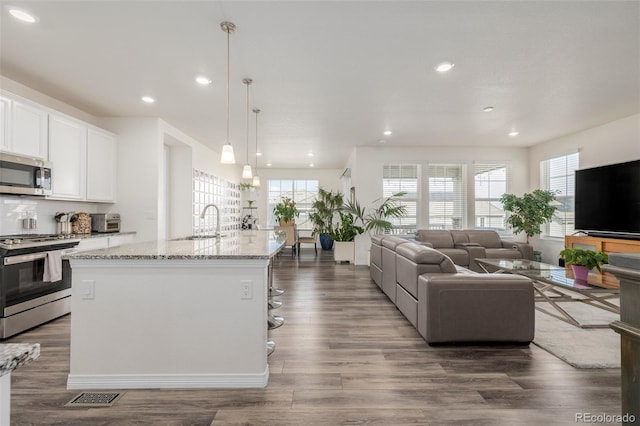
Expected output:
(102, 242)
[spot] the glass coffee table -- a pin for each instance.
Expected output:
(555, 284)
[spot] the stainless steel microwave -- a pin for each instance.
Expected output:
(24, 175)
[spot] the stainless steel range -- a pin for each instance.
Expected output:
(28, 295)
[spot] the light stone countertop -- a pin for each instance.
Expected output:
(14, 355)
(250, 244)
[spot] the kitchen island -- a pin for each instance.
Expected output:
(187, 313)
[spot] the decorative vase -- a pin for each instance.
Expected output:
(326, 242)
(580, 273)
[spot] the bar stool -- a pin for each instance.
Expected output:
(271, 346)
(274, 321)
(274, 304)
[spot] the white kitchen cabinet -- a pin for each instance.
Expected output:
(101, 166)
(5, 123)
(28, 130)
(68, 157)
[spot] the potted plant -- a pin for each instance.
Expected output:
(529, 212)
(582, 261)
(285, 211)
(323, 210)
(344, 234)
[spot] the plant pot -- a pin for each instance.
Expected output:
(287, 222)
(326, 242)
(580, 273)
(537, 256)
(344, 251)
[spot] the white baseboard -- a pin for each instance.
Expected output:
(166, 381)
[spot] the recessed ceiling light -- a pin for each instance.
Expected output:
(259, 154)
(513, 133)
(387, 132)
(311, 165)
(269, 164)
(382, 141)
(201, 79)
(488, 109)
(148, 99)
(310, 154)
(22, 15)
(444, 66)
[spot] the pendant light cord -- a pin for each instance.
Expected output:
(228, 84)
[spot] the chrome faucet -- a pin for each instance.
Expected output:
(217, 234)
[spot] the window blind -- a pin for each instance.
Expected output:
(447, 191)
(490, 183)
(558, 175)
(402, 178)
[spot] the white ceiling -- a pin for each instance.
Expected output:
(331, 75)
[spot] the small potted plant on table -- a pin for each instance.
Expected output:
(286, 211)
(582, 261)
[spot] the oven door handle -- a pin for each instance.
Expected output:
(23, 258)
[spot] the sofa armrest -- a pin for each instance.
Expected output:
(526, 250)
(476, 251)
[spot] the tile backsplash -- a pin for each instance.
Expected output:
(15, 208)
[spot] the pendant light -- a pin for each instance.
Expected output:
(256, 179)
(227, 156)
(246, 170)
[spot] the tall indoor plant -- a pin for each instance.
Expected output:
(323, 211)
(376, 219)
(529, 212)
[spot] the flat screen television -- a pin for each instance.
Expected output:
(607, 200)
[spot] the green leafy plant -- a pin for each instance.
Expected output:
(246, 187)
(589, 258)
(323, 210)
(346, 229)
(286, 210)
(377, 218)
(529, 212)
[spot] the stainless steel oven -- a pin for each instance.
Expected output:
(27, 297)
(24, 176)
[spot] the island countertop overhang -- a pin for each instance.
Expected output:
(251, 244)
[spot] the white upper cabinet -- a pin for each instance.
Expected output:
(5, 122)
(101, 166)
(28, 130)
(67, 155)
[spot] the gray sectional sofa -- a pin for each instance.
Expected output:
(464, 246)
(448, 303)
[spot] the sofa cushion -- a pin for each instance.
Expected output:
(377, 239)
(438, 238)
(486, 238)
(458, 256)
(502, 253)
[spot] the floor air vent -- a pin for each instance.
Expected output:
(94, 399)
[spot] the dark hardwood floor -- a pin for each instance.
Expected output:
(345, 355)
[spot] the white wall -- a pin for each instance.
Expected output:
(367, 165)
(614, 142)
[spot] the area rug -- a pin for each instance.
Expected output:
(582, 348)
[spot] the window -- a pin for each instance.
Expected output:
(402, 178)
(558, 175)
(490, 182)
(209, 189)
(303, 192)
(446, 196)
